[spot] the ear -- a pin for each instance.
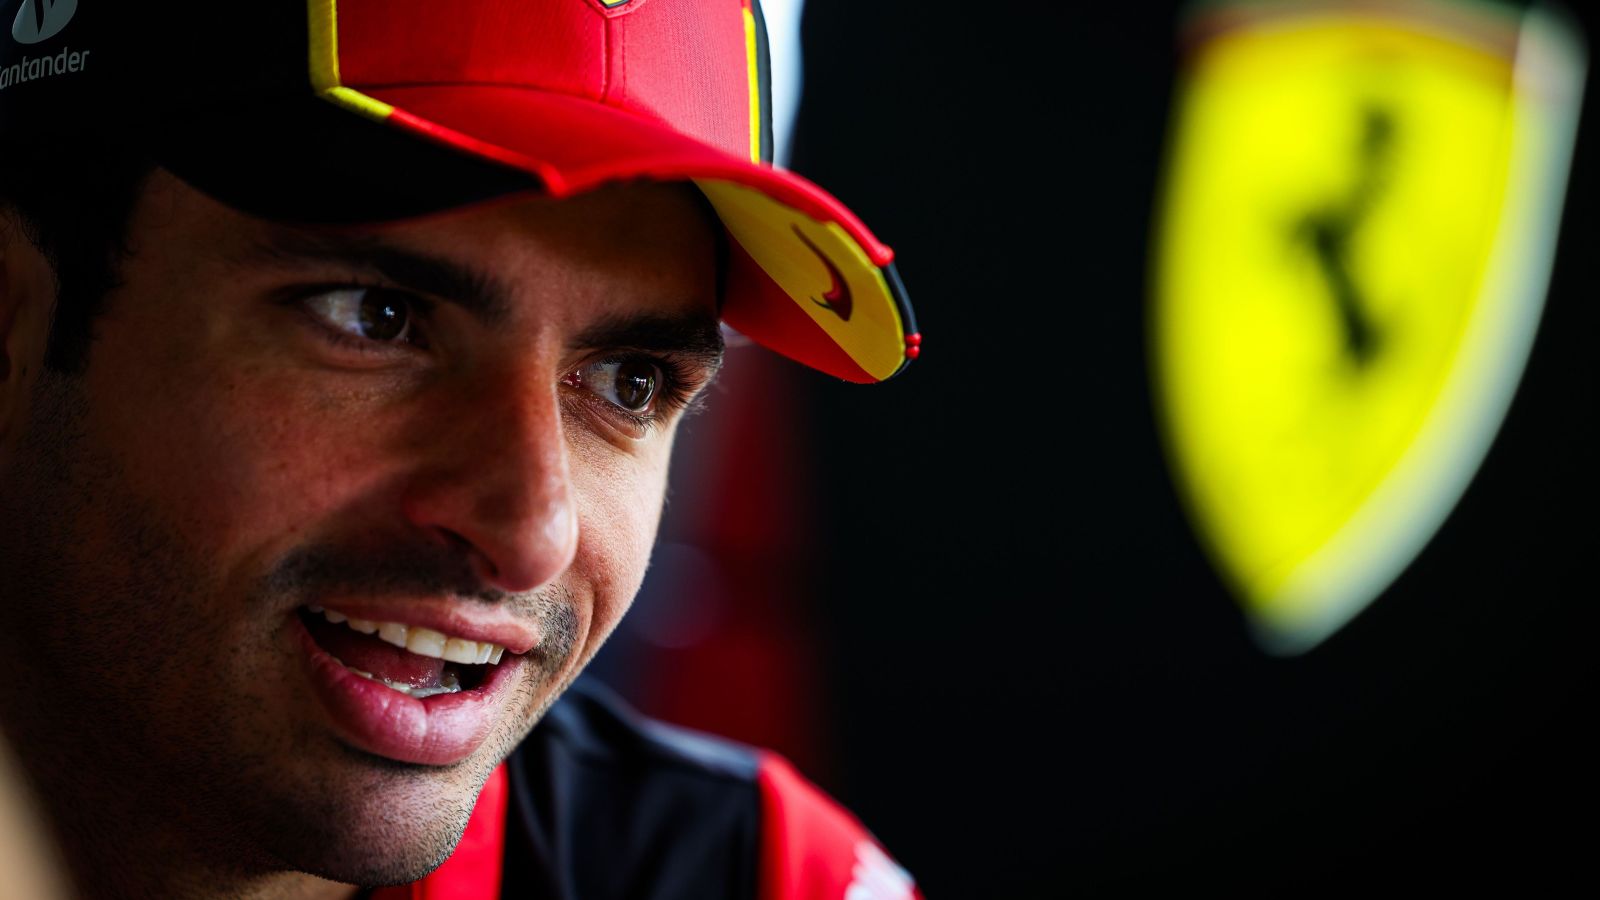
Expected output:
(27, 299)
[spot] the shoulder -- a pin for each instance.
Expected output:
(813, 847)
(626, 800)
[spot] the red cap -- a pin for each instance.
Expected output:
(558, 96)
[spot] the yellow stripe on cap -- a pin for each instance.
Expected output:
(324, 46)
(751, 49)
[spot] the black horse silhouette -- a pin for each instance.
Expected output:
(1330, 229)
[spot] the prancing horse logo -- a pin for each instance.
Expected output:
(837, 299)
(41, 20)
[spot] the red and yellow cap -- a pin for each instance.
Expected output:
(403, 107)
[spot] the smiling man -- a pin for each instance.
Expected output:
(342, 347)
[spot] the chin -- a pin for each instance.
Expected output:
(368, 866)
(372, 821)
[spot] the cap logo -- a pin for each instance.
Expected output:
(837, 299)
(41, 20)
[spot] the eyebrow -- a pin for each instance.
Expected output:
(480, 294)
(697, 337)
(694, 336)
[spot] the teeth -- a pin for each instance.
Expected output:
(426, 642)
(393, 633)
(460, 651)
(421, 641)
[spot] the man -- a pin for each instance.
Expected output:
(341, 351)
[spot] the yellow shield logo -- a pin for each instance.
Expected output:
(1360, 211)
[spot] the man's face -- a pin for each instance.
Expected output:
(446, 425)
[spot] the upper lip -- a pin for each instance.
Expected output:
(499, 626)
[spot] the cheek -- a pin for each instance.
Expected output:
(236, 458)
(619, 503)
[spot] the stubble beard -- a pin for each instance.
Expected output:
(138, 708)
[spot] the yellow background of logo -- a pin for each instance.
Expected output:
(1356, 206)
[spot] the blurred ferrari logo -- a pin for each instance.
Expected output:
(1360, 211)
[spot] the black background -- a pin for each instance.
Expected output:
(1041, 686)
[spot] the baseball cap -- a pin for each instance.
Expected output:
(349, 111)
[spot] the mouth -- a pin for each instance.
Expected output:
(404, 691)
(413, 660)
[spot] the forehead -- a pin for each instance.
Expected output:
(603, 247)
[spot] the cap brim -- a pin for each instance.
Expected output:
(805, 277)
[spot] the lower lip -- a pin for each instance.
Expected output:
(433, 731)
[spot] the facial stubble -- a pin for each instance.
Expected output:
(156, 700)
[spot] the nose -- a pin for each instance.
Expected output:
(497, 482)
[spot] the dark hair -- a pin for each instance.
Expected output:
(74, 200)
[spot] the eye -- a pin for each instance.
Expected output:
(371, 313)
(630, 383)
